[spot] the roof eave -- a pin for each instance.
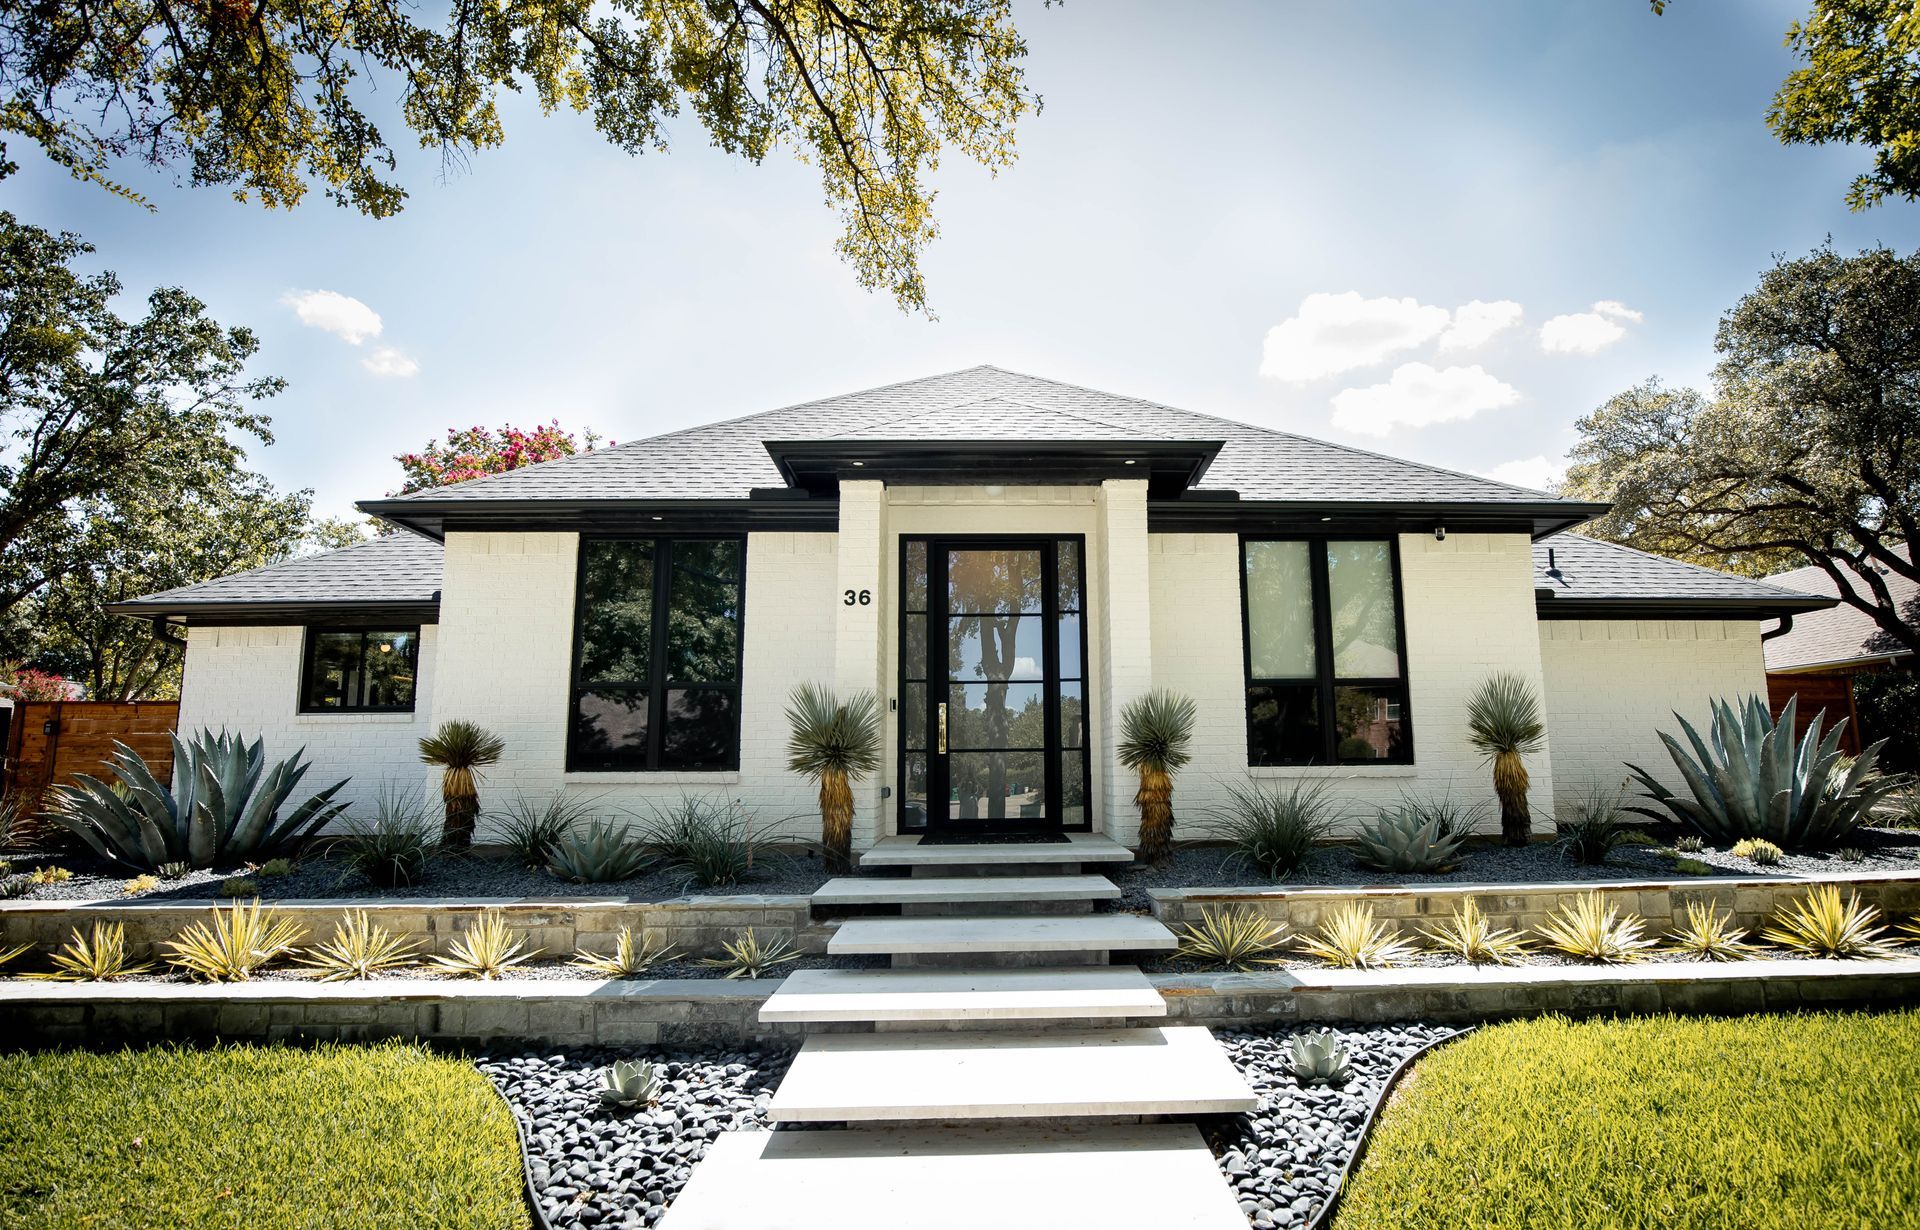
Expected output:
(1559, 606)
(207, 612)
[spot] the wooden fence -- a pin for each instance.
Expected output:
(48, 741)
(1829, 692)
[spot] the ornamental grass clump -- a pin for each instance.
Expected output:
(359, 948)
(711, 845)
(235, 944)
(1750, 779)
(1471, 936)
(1824, 924)
(395, 848)
(528, 828)
(487, 949)
(460, 750)
(600, 852)
(98, 955)
(1273, 830)
(1232, 937)
(1352, 939)
(630, 956)
(1505, 725)
(1594, 828)
(749, 956)
(1710, 934)
(833, 743)
(1594, 931)
(1156, 737)
(1407, 840)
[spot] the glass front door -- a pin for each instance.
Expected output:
(993, 728)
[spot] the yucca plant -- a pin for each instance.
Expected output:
(833, 743)
(1404, 840)
(225, 803)
(749, 956)
(460, 750)
(1711, 934)
(598, 852)
(1468, 934)
(235, 944)
(359, 948)
(1504, 724)
(528, 826)
(395, 848)
(1824, 924)
(630, 1082)
(1272, 829)
(1750, 779)
(9, 955)
(487, 949)
(1156, 737)
(100, 955)
(1234, 937)
(630, 956)
(1352, 939)
(1594, 931)
(1318, 1058)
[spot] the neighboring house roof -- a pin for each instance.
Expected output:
(1844, 635)
(393, 575)
(1579, 577)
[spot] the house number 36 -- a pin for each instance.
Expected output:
(863, 597)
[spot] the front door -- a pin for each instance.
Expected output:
(993, 686)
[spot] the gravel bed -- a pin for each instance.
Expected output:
(1284, 1159)
(543, 971)
(472, 875)
(595, 1166)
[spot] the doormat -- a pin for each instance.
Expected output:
(989, 839)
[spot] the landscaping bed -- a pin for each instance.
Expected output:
(1771, 1122)
(261, 1138)
(678, 970)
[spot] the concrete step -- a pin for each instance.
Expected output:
(1158, 1176)
(879, 995)
(1019, 934)
(1030, 1074)
(1073, 848)
(965, 890)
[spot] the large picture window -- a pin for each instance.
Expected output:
(359, 670)
(1326, 673)
(656, 675)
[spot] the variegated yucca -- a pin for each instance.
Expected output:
(1352, 939)
(629, 956)
(1711, 934)
(486, 949)
(1824, 924)
(235, 943)
(98, 955)
(1237, 938)
(1593, 931)
(1469, 935)
(360, 948)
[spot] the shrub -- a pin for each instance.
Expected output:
(359, 949)
(1757, 850)
(1156, 738)
(710, 845)
(528, 828)
(1405, 840)
(1751, 780)
(598, 853)
(239, 886)
(460, 750)
(487, 949)
(634, 1082)
(1273, 830)
(395, 848)
(1469, 935)
(629, 956)
(1596, 828)
(1352, 939)
(139, 884)
(100, 955)
(1823, 924)
(1456, 819)
(1505, 725)
(225, 803)
(1710, 933)
(748, 956)
(1690, 844)
(1318, 1058)
(1851, 854)
(274, 868)
(40, 877)
(833, 743)
(1889, 706)
(1234, 937)
(1692, 867)
(234, 944)
(1593, 931)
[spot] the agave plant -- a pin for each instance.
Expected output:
(1750, 779)
(630, 1082)
(460, 750)
(235, 944)
(599, 852)
(749, 956)
(1318, 1058)
(833, 743)
(1469, 935)
(225, 803)
(1236, 938)
(1505, 726)
(1404, 840)
(100, 955)
(1156, 735)
(1824, 924)
(1352, 939)
(359, 948)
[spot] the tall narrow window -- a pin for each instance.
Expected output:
(656, 681)
(359, 670)
(1325, 670)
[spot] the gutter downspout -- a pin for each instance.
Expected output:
(1786, 626)
(162, 633)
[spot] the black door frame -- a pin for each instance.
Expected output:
(934, 671)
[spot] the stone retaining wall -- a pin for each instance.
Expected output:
(694, 925)
(1663, 903)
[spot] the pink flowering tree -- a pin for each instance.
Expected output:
(474, 452)
(27, 683)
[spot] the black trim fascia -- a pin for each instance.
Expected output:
(1676, 608)
(1323, 517)
(434, 518)
(257, 614)
(1169, 466)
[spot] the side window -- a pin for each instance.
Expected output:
(358, 670)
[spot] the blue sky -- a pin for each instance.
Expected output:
(1201, 176)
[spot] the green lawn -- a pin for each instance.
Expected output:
(1757, 1122)
(333, 1138)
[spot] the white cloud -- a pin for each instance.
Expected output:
(390, 361)
(1337, 333)
(1417, 395)
(1534, 473)
(1477, 323)
(341, 315)
(1588, 332)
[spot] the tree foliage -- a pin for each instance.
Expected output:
(268, 98)
(1807, 451)
(474, 452)
(1860, 84)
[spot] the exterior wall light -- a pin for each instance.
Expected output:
(1439, 533)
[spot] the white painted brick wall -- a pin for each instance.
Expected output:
(247, 680)
(1469, 612)
(1614, 684)
(1127, 623)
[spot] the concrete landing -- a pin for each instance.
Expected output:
(899, 851)
(1088, 992)
(874, 890)
(1126, 1177)
(1019, 934)
(1028, 1074)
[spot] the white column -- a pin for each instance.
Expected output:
(860, 655)
(1126, 624)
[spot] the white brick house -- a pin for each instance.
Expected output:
(1005, 562)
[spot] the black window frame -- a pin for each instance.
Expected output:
(657, 685)
(309, 648)
(1324, 680)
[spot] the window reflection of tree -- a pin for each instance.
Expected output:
(988, 592)
(1363, 614)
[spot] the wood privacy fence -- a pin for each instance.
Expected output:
(48, 741)
(1828, 693)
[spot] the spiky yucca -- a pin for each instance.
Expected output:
(1353, 939)
(359, 948)
(629, 956)
(235, 943)
(1594, 931)
(749, 956)
(100, 955)
(1823, 924)
(833, 742)
(1711, 934)
(1505, 726)
(1469, 935)
(10, 955)
(1156, 734)
(460, 750)
(1236, 938)
(487, 949)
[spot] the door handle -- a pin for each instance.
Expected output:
(943, 728)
